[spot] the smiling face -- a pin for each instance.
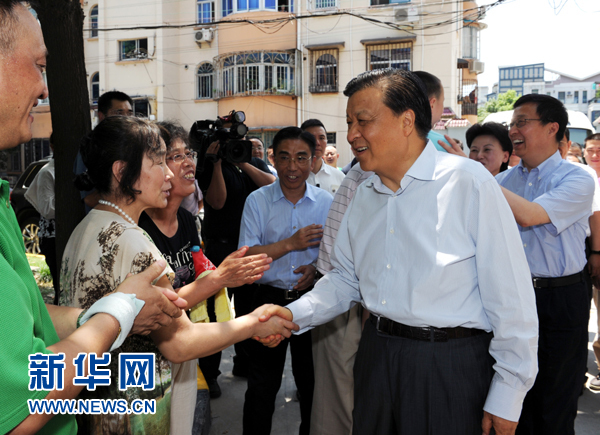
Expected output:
(534, 142)
(184, 173)
(331, 156)
(374, 132)
(321, 138)
(592, 154)
(293, 163)
(258, 150)
(21, 80)
(154, 182)
(486, 149)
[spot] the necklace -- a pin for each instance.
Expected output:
(119, 209)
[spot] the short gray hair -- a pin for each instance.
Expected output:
(8, 25)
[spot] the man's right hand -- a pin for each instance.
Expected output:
(305, 237)
(213, 150)
(161, 305)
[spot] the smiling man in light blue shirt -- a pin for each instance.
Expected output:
(429, 246)
(552, 202)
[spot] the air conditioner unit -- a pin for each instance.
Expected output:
(477, 67)
(198, 37)
(408, 14)
(207, 34)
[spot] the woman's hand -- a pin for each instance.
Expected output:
(237, 270)
(273, 324)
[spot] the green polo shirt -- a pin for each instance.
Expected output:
(25, 327)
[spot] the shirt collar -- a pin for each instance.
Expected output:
(422, 169)
(278, 193)
(546, 167)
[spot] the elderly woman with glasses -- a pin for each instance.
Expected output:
(126, 161)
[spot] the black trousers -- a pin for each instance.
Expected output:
(408, 387)
(265, 372)
(550, 407)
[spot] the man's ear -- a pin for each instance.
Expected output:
(408, 122)
(432, 102)
(118, 168)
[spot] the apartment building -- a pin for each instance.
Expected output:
(279, 61)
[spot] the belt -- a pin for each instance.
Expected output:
(558, 282)
(288, 295)
(429, 333)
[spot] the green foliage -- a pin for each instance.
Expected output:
(502, 103)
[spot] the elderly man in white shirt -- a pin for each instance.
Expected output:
(430, 247)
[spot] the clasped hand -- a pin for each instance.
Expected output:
(279, 315)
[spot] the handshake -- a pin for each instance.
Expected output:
(274, 324)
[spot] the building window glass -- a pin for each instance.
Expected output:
(576, 97)
(561, 97)
(324, 71)
(94, 22)
(584, 97)
(397, 56)
(470, 42)
(535, 91)
(95, 87)
(235, 6)
(331, 138)
(324, 4)
(206, 12)
(205, 75)
(133, 49)
(256, 72)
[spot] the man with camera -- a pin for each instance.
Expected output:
(225, 186)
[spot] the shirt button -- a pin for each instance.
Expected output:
(294, 227)
(389, 266)
(530, 184)
(294, 207)
(524, 245)
(383, 302)
(293, 267)
(392, 231)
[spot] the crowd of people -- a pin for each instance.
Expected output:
(420, 289)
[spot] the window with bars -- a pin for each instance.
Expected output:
(206, 12)
(331, 138)
(256, 72)
(324, 71)
(205, 75)
(133, 49)
(94, 22)
(95, 87)
(324, 4)
(397, 56)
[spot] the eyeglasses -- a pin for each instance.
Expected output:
(521, 122)
(178, 158)
(286, 160)
(257, 148)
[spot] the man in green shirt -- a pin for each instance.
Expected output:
(28, 325)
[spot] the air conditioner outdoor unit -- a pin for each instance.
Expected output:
(408, 14)
(204, 35)
(477, 67)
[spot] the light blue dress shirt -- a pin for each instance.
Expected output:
(443, 251)
(269, 217)
(565, 191)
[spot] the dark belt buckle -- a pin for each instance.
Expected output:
(535, 283)
(290, 295)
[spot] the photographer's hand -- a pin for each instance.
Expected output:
(213, 151)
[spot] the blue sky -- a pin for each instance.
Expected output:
(521, 32)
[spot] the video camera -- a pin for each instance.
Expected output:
(229, 131)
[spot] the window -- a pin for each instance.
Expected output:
(256, 72)
(134, 49)
(561, 97)
(324, 4)
(535, 91)
(206, 12)
(331, 138)
(584, 97)
(141, 107)
(387, 2)
(205, 81)
(94, 22)
(396, 56)
(324, 76)
(235, 6)
(95, 87)
(576, 97)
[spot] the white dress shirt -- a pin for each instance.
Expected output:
(328, 178)
(442, 251)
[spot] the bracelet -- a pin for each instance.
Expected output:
(78, 324)
(594, 252)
